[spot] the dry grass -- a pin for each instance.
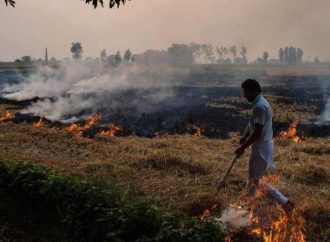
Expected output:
(179, 172)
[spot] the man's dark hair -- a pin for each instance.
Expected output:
(251, 84)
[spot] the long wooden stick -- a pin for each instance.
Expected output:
(227, 173)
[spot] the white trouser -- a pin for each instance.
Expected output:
(257, 168)
(253, 185)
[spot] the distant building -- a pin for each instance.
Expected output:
(46, 56)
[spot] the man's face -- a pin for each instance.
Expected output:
(249, 94)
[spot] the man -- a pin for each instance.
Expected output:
(259, 134)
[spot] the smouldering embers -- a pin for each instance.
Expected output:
(281, 227)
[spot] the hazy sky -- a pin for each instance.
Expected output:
(154, 24)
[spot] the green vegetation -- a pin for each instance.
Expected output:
(81, 210)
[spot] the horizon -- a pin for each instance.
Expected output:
(260, 25)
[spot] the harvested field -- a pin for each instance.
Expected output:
(188, 150)
(178, 171)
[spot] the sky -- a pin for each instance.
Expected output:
(260, 25)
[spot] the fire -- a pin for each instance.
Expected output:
(39, 123)
(207, 213)
(281, 230)
(198, 132)
(78, 130)
(7, 116)
(111, 132)
(269, 223)
(291, 133)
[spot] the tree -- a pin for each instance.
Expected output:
(300, 54)
(95, 3)
(128, 55)
(316, 60)
(233, 50)
(182, 54)
(117, 58)
(265, 57)
(286, 54)
(103, 55)
(243, 54)
(292, 55)
(281, 55)
(26, 59)
(76, 50)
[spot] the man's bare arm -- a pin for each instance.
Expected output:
(250, 140)
(245, 135)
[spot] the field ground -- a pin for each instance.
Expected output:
(179, 171)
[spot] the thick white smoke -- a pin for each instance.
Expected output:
(74, 87)
(235, 218)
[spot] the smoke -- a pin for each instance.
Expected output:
(235, 218)
(325, 86)
(74, 90)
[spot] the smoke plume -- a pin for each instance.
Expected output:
(235, 218)
(76, 89)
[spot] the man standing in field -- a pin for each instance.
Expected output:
(259, 134)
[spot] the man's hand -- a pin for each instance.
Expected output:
(239, 152)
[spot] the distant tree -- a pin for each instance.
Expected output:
(182, 54)
(243, 54)
(292, 55)
(95, 3)
(259, 60)
(286, 54)
(128, 55)
(117, 58)
(265, 57)
(233, 50)
(134, 58)
(26, 59)
(53, 60)
(316, 60)
(76, 50)
(227, 61)
(103, 55)
(17, 61)
(281, 55)
(300, 54)
(220, 54)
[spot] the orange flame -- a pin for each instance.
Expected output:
(207, 213)
(7, 116)
(280, 229)
(291, 133)
(198, 132)
(78, 129)
(111, 132)
(39, 123)
(228, 237)
(284, 228)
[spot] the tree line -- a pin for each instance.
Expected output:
(187, 54)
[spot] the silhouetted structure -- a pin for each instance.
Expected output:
(46, 56)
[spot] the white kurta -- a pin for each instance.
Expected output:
(264, 146)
